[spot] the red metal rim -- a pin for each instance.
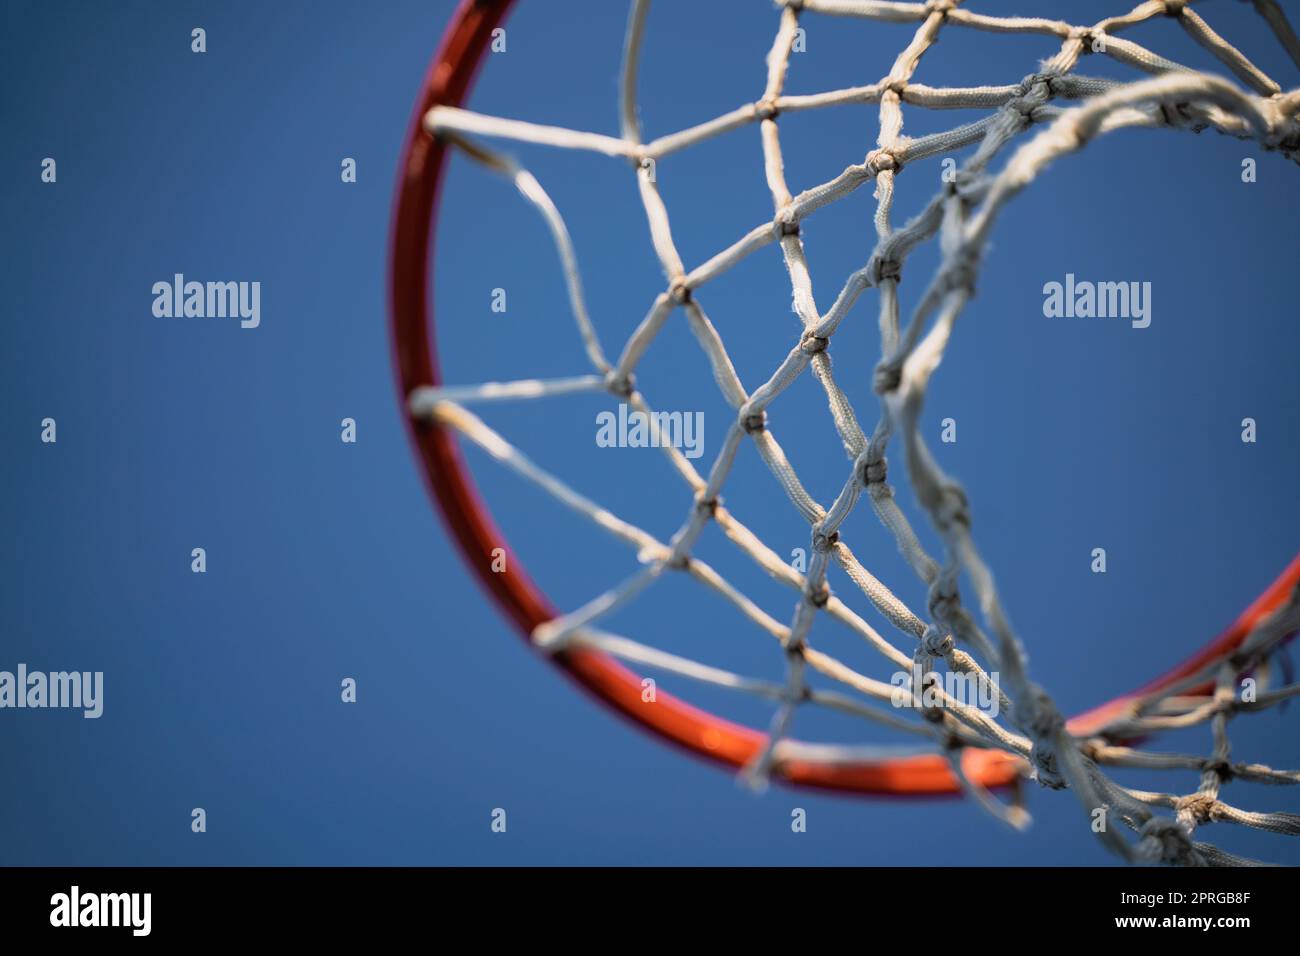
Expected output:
(423, 164)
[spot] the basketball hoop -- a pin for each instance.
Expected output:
(1100, 735)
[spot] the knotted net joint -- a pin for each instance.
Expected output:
(872, 471)
(878, 160)
(753, 419)
(1045, 727)
(818, 595)
(888, 269)
(786, 223)
(707, 506)
(1175, 8)
(944, 600)
(766, 109)
(954, 187)
(1180, 116)
(960, 271)
(678, 562)
(943, 7)
(1166, 841)
(932, 713)
(1025, 106)
(935, 642)
(895, 85)
(952, 510)
(1087, 36)
(1035, 80)
(888, 376)
(812, 344)
(1201, 807)
(679, 291)
(1221, 769)
(822, 542)
(1286, 140)
(622, 384)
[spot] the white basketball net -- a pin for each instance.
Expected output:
(961, 216)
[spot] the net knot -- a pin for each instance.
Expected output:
(940, 6)
(1044, 724)
(1221, 769)
(960, 271)
(1085, 35)
(822, 542)
(965, 187)
(1167, 841)
(766, 109)
(944, 600)
(707, 506)
(818, 595)
(1025, 106)
(678, 562)
(952, 508)
(892, 84)
(888, 376)
(935, 642)
(933, 714)
(679, 291)
(1175, 8)
(1178, 116)
(1033, 80)
(812, 344)
(1285, 139)
(786, 223)
(1201, 807)
(620, 383)
(878, 160)
(872, 471)
(888, 269)
(752, 420)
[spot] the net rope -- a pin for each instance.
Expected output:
(960, 218)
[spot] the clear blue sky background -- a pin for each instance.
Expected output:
(326, 560)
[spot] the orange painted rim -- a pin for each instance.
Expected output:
(420, 175)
